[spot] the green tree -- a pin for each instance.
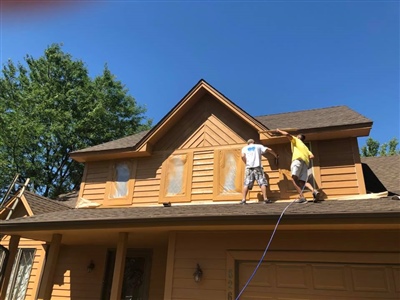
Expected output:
(50, 107)
(393, 143)
(373, 148)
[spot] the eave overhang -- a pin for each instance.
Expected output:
(320, 133)
(129, 152)
(328, 222)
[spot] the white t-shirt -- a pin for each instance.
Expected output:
(253, 154)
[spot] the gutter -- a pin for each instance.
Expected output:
(242, 220)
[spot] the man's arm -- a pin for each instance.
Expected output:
(289, 136)
(244, 158)
(272, 152)
(310, 155)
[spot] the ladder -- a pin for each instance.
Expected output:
(18, 197)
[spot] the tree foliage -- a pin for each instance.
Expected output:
(49, 107)
(374, 148)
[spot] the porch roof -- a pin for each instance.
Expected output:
(232, 213)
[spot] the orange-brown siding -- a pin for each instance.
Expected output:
(211, 250)
(208, 127)
(72, 281)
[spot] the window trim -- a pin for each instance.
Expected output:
(186, 195)
(128, 199)
(217, 196)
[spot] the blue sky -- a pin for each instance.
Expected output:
(266, 56)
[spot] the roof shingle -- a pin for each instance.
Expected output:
(43, 205)
(382, 172)
(122, 143)
(178, 213)
(314, 118)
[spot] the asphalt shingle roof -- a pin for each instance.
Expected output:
(382, 172)
(314, 118)
(302, 120)
(68, 199)
(43, 205)
(233, 212)
(122, 143)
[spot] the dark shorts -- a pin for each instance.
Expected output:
(255, 174)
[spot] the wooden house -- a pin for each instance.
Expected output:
(157, 215)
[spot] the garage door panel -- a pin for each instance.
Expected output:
(311, 280)
(396, 276)
(291, 275)
(263, 277)
(329, 277)
(369, 279)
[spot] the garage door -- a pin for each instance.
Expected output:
(286, 280)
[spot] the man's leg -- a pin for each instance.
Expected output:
(263, 183)
(295, 169)
(310, 187)
(314, 192)
(245, 191)
(264, 193)
(298, 185)
(248, 184)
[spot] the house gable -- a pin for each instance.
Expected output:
(205, 125)
(15, 208)
(192, 113)
(189, 110)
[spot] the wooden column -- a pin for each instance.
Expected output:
(170, 266)
(46, 285)
(13, 250)
(119, 266)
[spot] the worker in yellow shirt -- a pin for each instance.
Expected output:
(301, 156)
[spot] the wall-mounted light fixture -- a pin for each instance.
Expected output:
(198, 274)
(90, 267)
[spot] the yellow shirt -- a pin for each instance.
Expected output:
(300, 150)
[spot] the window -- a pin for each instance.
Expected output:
(119, 186)
(228, 174)
(119, 189)
(176, 178)
(20, 274)
(3, 261)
